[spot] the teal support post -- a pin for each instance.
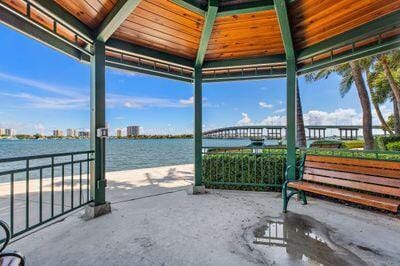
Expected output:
(97, 120)
(198, 130)
(291, 91)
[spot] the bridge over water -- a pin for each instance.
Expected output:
(259, 132)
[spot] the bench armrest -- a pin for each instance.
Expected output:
(7, 231)
(299, 168)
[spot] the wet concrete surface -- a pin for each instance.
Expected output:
(294, 239)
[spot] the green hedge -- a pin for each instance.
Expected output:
(326, 144)
(383, 141)
(244, 171)
(353, 144)
(393, 146)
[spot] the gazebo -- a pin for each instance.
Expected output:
(200, 41)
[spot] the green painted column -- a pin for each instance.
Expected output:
(198, 130)
(291, 91)
(97, 120)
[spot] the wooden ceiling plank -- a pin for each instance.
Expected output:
(156, 18)
(137, 22)
(158, 34)
(62, 15)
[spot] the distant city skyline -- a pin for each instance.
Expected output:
(37, 96)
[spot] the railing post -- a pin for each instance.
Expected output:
(291, 117)
(198, 132)
(99, 205)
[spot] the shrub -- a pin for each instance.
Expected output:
(243, 171)
(353, 144)
(326, 144)
(393, 146)
(383, 141)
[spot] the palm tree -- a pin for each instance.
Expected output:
(301, 133)
(351, 73)
(384, 91)
(367, 64)
(388, 61)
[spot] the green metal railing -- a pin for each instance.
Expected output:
(257, 168)
(42, 188)
(359, 154)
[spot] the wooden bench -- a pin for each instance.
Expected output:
(374, 183)
(6, 257)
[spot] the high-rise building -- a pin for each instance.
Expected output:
(9, 132)
(57, 133)
(71, 133)
(118, 132)
(132, 131)
(84, 134)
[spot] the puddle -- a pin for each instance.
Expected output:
(296, 239)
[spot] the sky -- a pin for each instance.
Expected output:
(42, 89)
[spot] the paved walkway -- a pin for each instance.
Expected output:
(154, 222)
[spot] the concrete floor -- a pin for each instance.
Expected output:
(155, 222)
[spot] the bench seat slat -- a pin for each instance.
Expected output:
(352, 184)
(355, 169)
(356, 197)
(354, 177)
(359, 162)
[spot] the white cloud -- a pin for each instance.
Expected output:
(265, 105)
(30, 83)
(189, 101)
(40, 102)
(275, 120)
(278, 111)
(338, 117)
(245, 120)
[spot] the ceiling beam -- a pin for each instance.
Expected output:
(130, 66)
(191, 5)
(64, 16)
(265, 74)
(244, 8)
(130, 48)
(115, 18)
(357, 53)
(284, 25)
(246, 62)
(206, 32)
(46, 37)
(374, 27)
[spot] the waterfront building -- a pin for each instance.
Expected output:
(83, 134)
(118, 132)
(58, 133)
(9, 132)
(71, 133)
(133, 131)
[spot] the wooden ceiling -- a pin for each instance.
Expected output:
(313, 21)
(168, 27)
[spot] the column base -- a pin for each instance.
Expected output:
(197, 190)
(93, 211)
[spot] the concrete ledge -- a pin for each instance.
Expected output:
(92, 211)
(196, 190)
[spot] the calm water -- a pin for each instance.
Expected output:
(121, 154)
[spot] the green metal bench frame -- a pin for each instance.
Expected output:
(5, 243)
(285, 196)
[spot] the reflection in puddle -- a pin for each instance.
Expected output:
(296, 239)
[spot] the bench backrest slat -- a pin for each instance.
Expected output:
(354, 185)
(391, 182)
(355, 169)
(382, 177)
